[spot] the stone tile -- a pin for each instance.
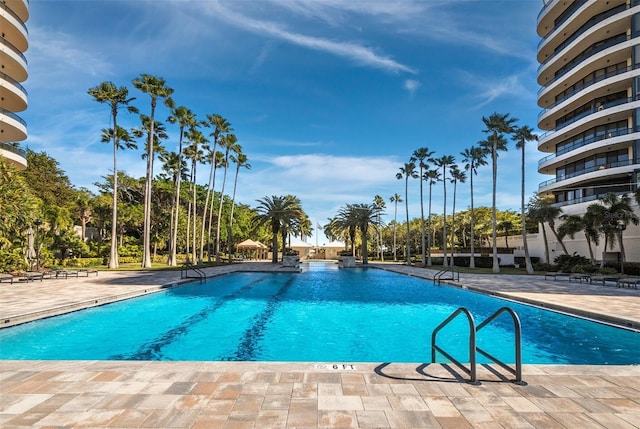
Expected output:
(337, 419)
(441, 406)
(304, 390)
(411, 419)
(271, 419)
(340, 403)
(611, 421)
(372, 419)
(372, 403)
(408, 403)
(276, 402)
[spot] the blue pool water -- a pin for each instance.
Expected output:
(322, 315)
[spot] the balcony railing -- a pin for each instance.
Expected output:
(13, 48)
(586, 171)
(603, 106)
(607, 135)
(587, 84)
(579, 59)
(12, 13)
(14, 82)
(10, 148)
(567, 14)
(13, 116)
(587, 198)
(585, 27)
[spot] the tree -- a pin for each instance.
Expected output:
(619, 214)
(456, 176)
(592, 221)
(409, 170)
(228, 142)
(496, 126)
(395, 199)
(156, 88)
(474, 157)
(522, 135)
(365, 214)
(542, 210)
(195, 152)
(444, 162)
(506, 226)
(571, 225)
(422, 155)
(433, 176)
(115, 97)
(379, 202)
(185, 118)
(241, 162)
(275, 211)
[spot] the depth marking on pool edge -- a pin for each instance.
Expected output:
(336, 366)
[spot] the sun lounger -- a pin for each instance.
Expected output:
(629, 281)
(86, 271)
(63, 274)
(580, 277)
(555, 276)
(30, 276)
(604, 279)
(6, 278)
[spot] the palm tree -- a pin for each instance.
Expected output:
(220, 127)
(275, 211)
(196, 153)
(433, 176)
(364, 215)
(229, 143)
(423, 155)
(456, 176)
(409, 170)
(241, 162)
(619, 215)
(444, 162)
(506, 226)
(542, 209)
(115, 97)
(379, 202)
(395, 199)
(522, 135)
(156, 88)
(347, 221)
(184, 118)
(592, 220)
(571, 225)
(474, 157)
(497, 125)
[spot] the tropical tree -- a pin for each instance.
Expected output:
(522, 135)
(473, 157)
(619, 214)
(156, 88)
(366, 214)
(228, 142)
(220, 128)
(406, 172)
(506, 226)
(496, 126)
(592, 221)
(444, 162)
(115, 97)
(395, 199)
(543, 210)
(185, 118)
(195, 152)
(571, 225)
(241, 162)
(433, 176)
(379, 202)
(422, 155)
(457, 175)
(275, 211)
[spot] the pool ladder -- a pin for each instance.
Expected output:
(197, 272)
(455, 275)
(473, 348)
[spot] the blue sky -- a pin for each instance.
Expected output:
(328, 98)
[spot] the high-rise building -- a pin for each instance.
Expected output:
(589, 75)
(13, 71)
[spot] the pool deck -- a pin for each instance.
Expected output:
(121, 394)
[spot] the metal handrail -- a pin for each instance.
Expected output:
(184, 272)
(517, 371)
(471, 371)
(473, 348)
(438, 276)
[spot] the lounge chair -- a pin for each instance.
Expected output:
(580, 277)
(4, 277)
(86, 271)
(555, 276)
(63, 274)
(30, 276)
(629, 281)
(604, 279)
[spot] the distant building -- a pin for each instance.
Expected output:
(589, 75)
(13, 70)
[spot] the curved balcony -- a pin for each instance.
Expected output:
(547, 50)
(20, 8)
(13, 28)
(588, 174)
(611, 140)
(14, 155)
(550, 17)
(12, 127)
(605, 109)
(14, 61)
(13, 96)
(586, 58)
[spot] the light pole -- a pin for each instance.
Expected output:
(37, 223)
(621, 227)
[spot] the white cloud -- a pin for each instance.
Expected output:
(412, 86)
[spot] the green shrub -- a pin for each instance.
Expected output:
(630, 268)
(607, 271)
(566, 263)
(545, 267)
(12, 260)
(520, 260)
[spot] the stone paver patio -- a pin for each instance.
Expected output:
(128, 394)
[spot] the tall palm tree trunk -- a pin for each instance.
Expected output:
(210, 194)
(494, 159)
(527, 259)
(146, 239)
(453, 222)
(113, 257)
(429, 231)
(472, 259)
(395, 227)
(423, 240)
(224, 179)
(406, 204)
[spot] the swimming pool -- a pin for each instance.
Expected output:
(321, 315)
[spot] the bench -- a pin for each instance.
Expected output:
(86, 271)
(628, 282)
(556, 275)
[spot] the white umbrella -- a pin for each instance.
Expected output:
(31, 250)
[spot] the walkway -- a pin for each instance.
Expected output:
(308, 395)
